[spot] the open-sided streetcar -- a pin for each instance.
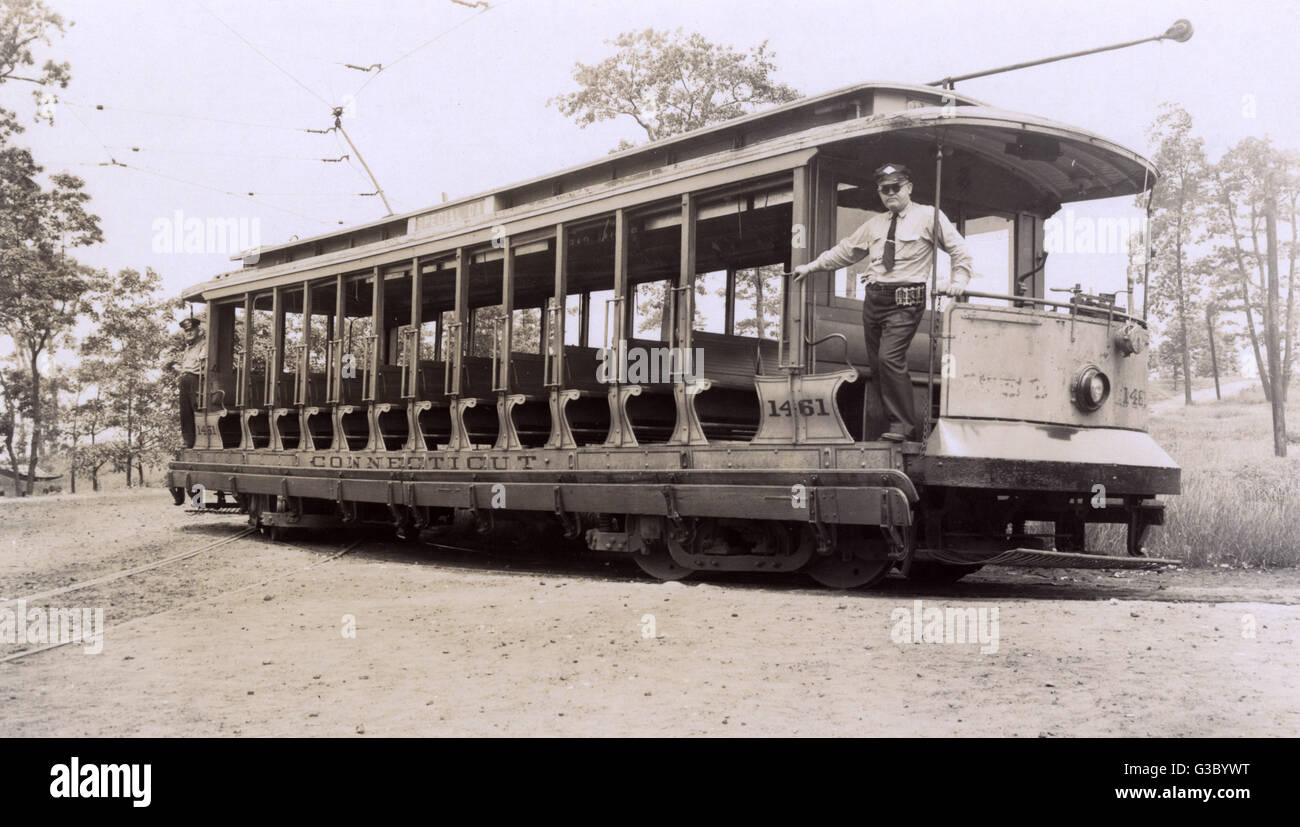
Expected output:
(618, 350)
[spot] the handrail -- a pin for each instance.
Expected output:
(333, 370)
(1074, 307)
(408, 337)
(454, 342)
(796, 279)
(370, 367)
(549, 355)
(295, 352)
(497, 385)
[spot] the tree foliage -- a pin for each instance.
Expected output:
(124, 356)
(672, 82)
(1176, 205)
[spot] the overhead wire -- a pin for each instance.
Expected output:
(210, 154)
(377, 68)
(154, 113)
(246, 196)
(384, 67)
(262, 54)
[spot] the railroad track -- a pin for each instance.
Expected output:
(134, 570)
(108, 578)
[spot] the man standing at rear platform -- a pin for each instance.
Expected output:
(190, 368)
(900, 243)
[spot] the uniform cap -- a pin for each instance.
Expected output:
(896, 172)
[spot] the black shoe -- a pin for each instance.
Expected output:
(893, 437)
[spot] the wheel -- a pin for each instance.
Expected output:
(927, 572)
(655, 561)
(867, 564)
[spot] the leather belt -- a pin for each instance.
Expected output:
(906, 295)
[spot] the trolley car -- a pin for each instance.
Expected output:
(488, 358)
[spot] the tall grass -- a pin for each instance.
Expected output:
(1240, 505)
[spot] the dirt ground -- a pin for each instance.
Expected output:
(254, 638)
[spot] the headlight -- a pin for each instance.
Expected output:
(1089, 388)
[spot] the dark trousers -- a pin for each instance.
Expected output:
(189, 386)
(889, 330)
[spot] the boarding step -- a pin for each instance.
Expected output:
(1042, 559)
(230, 508)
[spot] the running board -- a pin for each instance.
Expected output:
(1042, 559)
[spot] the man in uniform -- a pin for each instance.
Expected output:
(900, 244)
(190, 368)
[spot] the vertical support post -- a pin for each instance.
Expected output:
(276, 369)
(685, 321)
(417, 302)
(800, 240)
(620, 425)
(303, 394)
(338, 398)
(620, 277)
(508, 311)
(934, 290)
(457, 345)
(379, 319)
(561, 435)
(413, 391)
(687, 430)
(246, 359)
(210, 365)
(557, 332)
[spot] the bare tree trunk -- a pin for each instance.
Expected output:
(13, 462)
(1244, 280)
(1271, 319)
(129, 410)
(1214, 359)
(36, 419)
(1288, 351)
(1182, 310)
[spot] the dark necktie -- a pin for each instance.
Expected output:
(888, 260)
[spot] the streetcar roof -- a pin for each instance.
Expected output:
(1059, 163)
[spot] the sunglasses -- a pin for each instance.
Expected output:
(890, 189)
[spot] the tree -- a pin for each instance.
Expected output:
(670, 83)
(1176, 204)
(1236, 181)
(13, 388)
(41, 290)
(123, 355)
(24, 23)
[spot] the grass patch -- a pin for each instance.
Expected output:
(1158, 390)
(1240, 505)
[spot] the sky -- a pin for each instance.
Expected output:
(214, 95)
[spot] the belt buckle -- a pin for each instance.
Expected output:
(907, 296)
